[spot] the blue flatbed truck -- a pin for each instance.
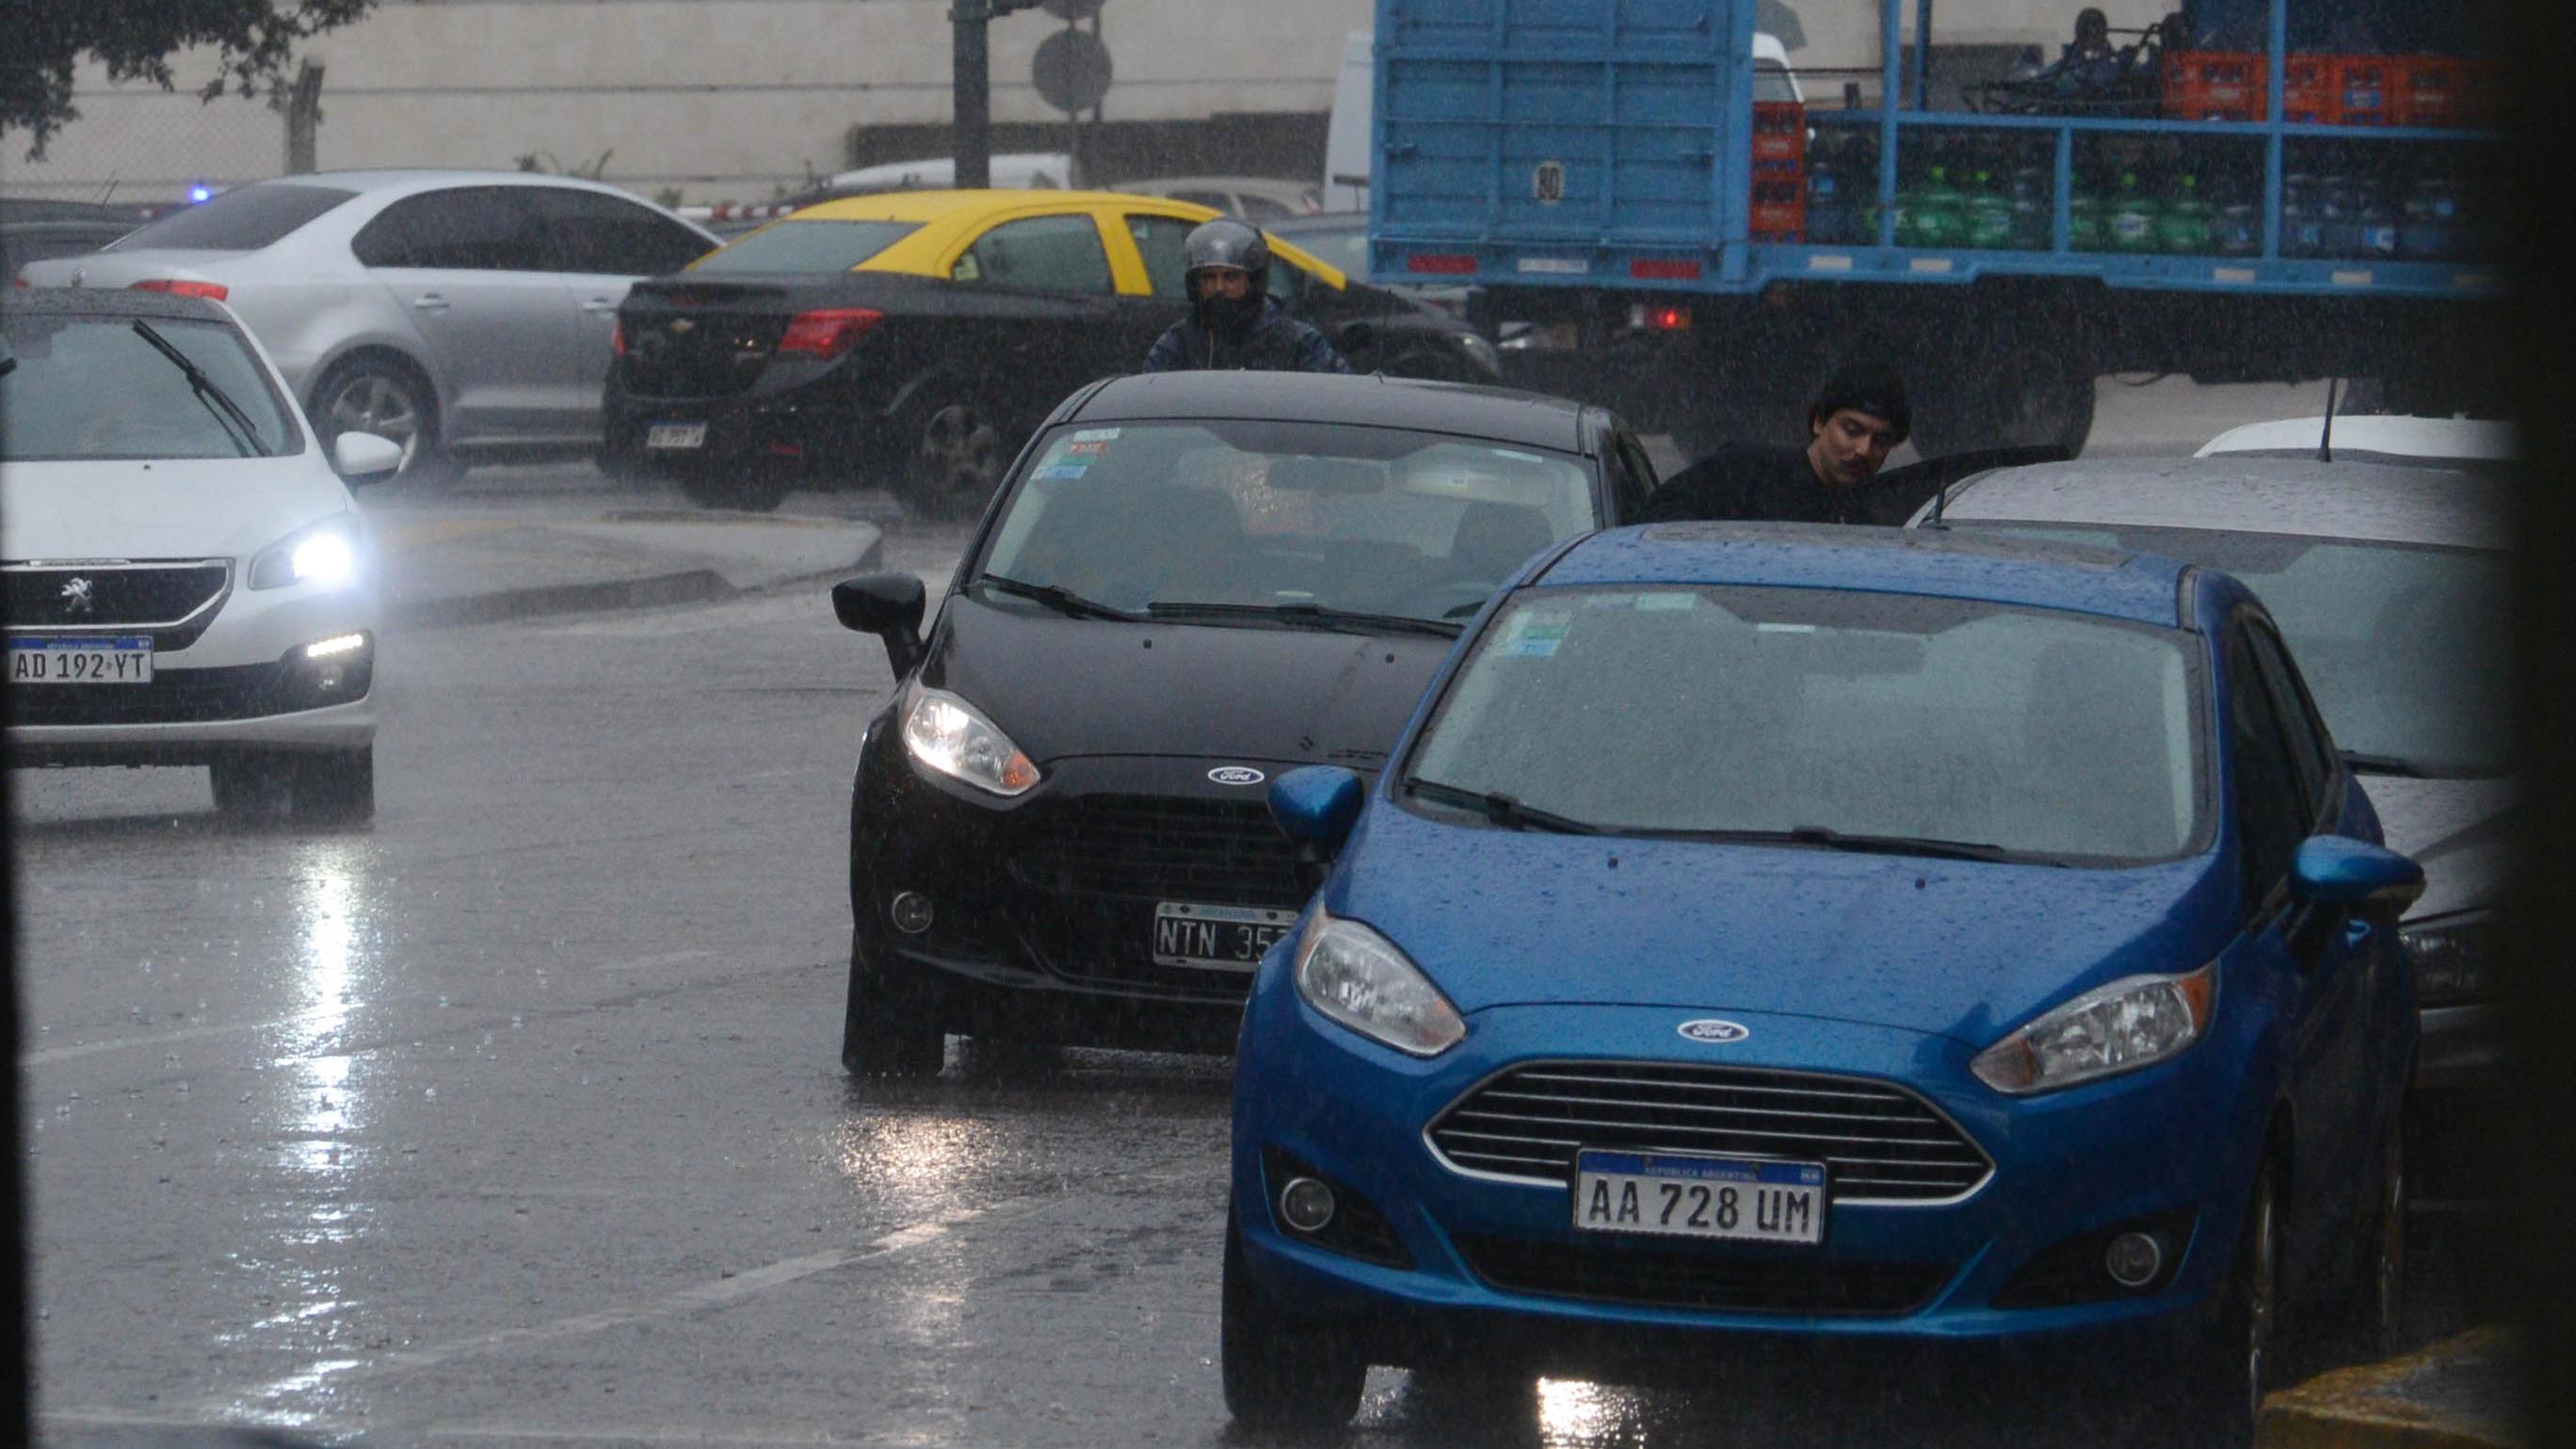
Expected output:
(2248, 190)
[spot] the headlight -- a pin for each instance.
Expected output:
(1482, 351)
(947, 734)
(1358, 978)
(324, 555)
(2118, 1028)
(2455, 958)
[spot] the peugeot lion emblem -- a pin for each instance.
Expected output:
(78, 597)
(1236, 775)
(1713, 1031)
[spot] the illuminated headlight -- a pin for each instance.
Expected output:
(2455, 958)
(1476, 347)
(1358, 978)
(324, 555)
(2118, 1028)
(949, 735)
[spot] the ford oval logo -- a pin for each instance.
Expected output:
(1713, 1031)
(1236, 775)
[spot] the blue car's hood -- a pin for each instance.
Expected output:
(1960, 948)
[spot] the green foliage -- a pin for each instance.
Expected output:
(594, 169)
(43, 41)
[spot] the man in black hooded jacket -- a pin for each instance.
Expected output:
(1854, 423)
(1233, 321)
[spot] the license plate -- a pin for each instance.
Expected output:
(676, 435)
(1218, 938)
(1684, 1196)
(100, 659)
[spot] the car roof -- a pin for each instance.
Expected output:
(927, 205)
(110, 302)
(2466, 439)
(401, 178)
(1499, 414)
(2076, 578)
(2299, 497)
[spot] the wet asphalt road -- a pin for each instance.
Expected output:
(517, 1118)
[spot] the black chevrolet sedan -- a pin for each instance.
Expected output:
(914, 339)
(1188, 583)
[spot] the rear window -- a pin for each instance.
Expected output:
(806, 246)
(238, 221)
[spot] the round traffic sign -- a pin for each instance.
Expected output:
(1070, 9)
(1071, 70)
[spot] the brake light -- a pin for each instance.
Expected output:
(829, 331)
(1660, 319)
(180, 287)
(616, 338)
(1441, 264)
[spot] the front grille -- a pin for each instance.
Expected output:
(120, 595)
(1879, 1143)
(697, 354)
(1159, 848)
(1627, 1272)
(175, 696)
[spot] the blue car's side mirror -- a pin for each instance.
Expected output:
(1317, 805)
(2343, 872)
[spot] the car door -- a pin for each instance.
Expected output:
(1051, 321)
(603, 245)
(1632, 476)
(471, 268)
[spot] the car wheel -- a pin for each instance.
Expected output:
(2244, 1338)
(954, 450)
(1280, 1373)
(2379, 1295)
(252, 789)
(750, 492)
(378, 395)
(884, 1031)
(334, 787)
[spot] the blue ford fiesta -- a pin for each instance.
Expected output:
(1796, 934)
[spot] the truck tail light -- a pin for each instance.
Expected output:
(1659, 319)
(181, 287)
(829, 331)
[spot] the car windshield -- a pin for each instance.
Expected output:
(806, 246)
(95, 388)
(1759, 711)
(2403, 646)
(1284, 515)
(237, 221)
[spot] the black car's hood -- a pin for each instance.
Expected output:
(1060, 686)
(2458, 830)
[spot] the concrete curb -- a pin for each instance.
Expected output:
(2411, 1402)
(685, 586)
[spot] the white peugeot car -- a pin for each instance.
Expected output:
(188, 580)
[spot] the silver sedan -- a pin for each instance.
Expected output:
(463, 314)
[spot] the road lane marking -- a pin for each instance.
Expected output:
(50, 1055)
(667, 958)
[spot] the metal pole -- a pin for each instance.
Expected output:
(974, 94)
(1923, 55)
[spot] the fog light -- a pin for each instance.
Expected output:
(2134, 1259)
(1306, 1204)
(337, 644)
(911, 912)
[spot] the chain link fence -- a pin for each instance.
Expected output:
(142, 144)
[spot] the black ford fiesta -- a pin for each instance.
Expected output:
(1188, 583)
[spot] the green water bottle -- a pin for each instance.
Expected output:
(1938, 212)
(2087, 229)
(2132, 218)
(1990, 213)
(2184, 229)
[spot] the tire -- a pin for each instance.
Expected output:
(2244, 1341)
(2375, 1317)
(252, 789)
(749, 492)
(884, 1029)
(333, 787)
(952, 450)
(373, 393)
(1279, 1374)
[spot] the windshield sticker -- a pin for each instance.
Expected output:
(1096, 435)
(1535, 636)
(1085, 450)
(1668, 599)
(1059, 472)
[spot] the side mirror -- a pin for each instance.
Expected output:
(1316, 805)
(886, 605)
(364, 455)
(2337, 871)
(1357, 336)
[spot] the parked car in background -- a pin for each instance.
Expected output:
(1011, 171)
(35, 229)
(1830, 940)
(1260, 200)
(1193, 580)
(463, 314)
(188, 582)
(2389, 582)
(2374, 437)
(915, 338)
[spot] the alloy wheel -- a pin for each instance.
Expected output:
(957, 460)
(369, 401)
(2262, 1307)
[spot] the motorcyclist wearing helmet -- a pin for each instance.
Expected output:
(1233, 321)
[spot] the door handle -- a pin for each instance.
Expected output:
(429, 302)
(600, 304)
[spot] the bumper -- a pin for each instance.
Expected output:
(1892, 1276)
(817, 427)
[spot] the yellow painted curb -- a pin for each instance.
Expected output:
(2369, 1407)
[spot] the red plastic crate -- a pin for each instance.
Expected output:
(2311, 90)
(2445, 90)
(1779, 211)
(2366, 88)
(2213, 85)
(1779, 136)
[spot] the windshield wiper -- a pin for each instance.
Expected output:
(1317, 616)
(1833, 839)
(1500, 808)
(1057, 597)
(237, 424)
